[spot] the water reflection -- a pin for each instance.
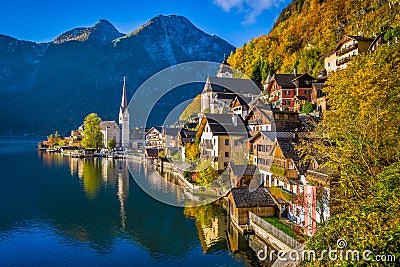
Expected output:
(91, 212)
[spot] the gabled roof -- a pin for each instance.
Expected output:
(285, 80)
(242, 100)
(245, 198)
(157, 128)
(222, 124)
(107, 124)
(287, 147)
(232, 85)
(346, 38)
(271, 135)
(171, 131)
(241, 170)
(304, 76)
(264, 110)
(185, 133)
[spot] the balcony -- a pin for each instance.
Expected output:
(346, 49)
(206, 146)
(342, 61)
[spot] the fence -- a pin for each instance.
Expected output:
(281, 236)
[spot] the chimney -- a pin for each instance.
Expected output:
(295, 71)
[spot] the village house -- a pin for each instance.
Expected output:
(242, 200)
(170, 140)
(347, 47)
(318, 98)
(217, 134)
(316, 193)
(110, 130)
(219, 92)
(259, 117)
(298, 102)
(154, 137)
(240, 105)
(281, 89)
(286, 120)
(261, 145)
(244, 176)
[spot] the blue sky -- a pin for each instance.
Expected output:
(237, 21)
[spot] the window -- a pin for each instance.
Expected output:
(329, 64)
(226, 154)
(276, 116)
(227, 142)
(287, 92)
(285, 116)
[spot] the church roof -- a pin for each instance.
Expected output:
(231, 85)
(124, 100)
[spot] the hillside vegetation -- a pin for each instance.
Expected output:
(307, 29)
(359, 140)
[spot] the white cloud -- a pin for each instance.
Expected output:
(251, 8)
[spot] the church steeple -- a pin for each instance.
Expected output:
(124, 101)
(124, 118)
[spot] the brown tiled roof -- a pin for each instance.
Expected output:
(245, 198)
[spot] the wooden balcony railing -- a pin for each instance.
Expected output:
(346, 50)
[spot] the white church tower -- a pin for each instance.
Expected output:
(124, 118)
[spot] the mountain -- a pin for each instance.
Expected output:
(49, 86)
(307, 29)
(103, 31)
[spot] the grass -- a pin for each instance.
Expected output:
(283, 227)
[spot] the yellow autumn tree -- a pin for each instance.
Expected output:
(359, 140)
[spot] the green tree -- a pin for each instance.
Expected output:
(307, 108)
(111, 144)
(93, 138)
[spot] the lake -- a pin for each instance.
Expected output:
(61, 211)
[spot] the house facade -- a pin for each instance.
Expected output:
(110, 130)
(348, 47)
(154, 137)
(283, 87)
(217, 134)
(259, 117)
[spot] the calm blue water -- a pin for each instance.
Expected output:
(59, 211)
